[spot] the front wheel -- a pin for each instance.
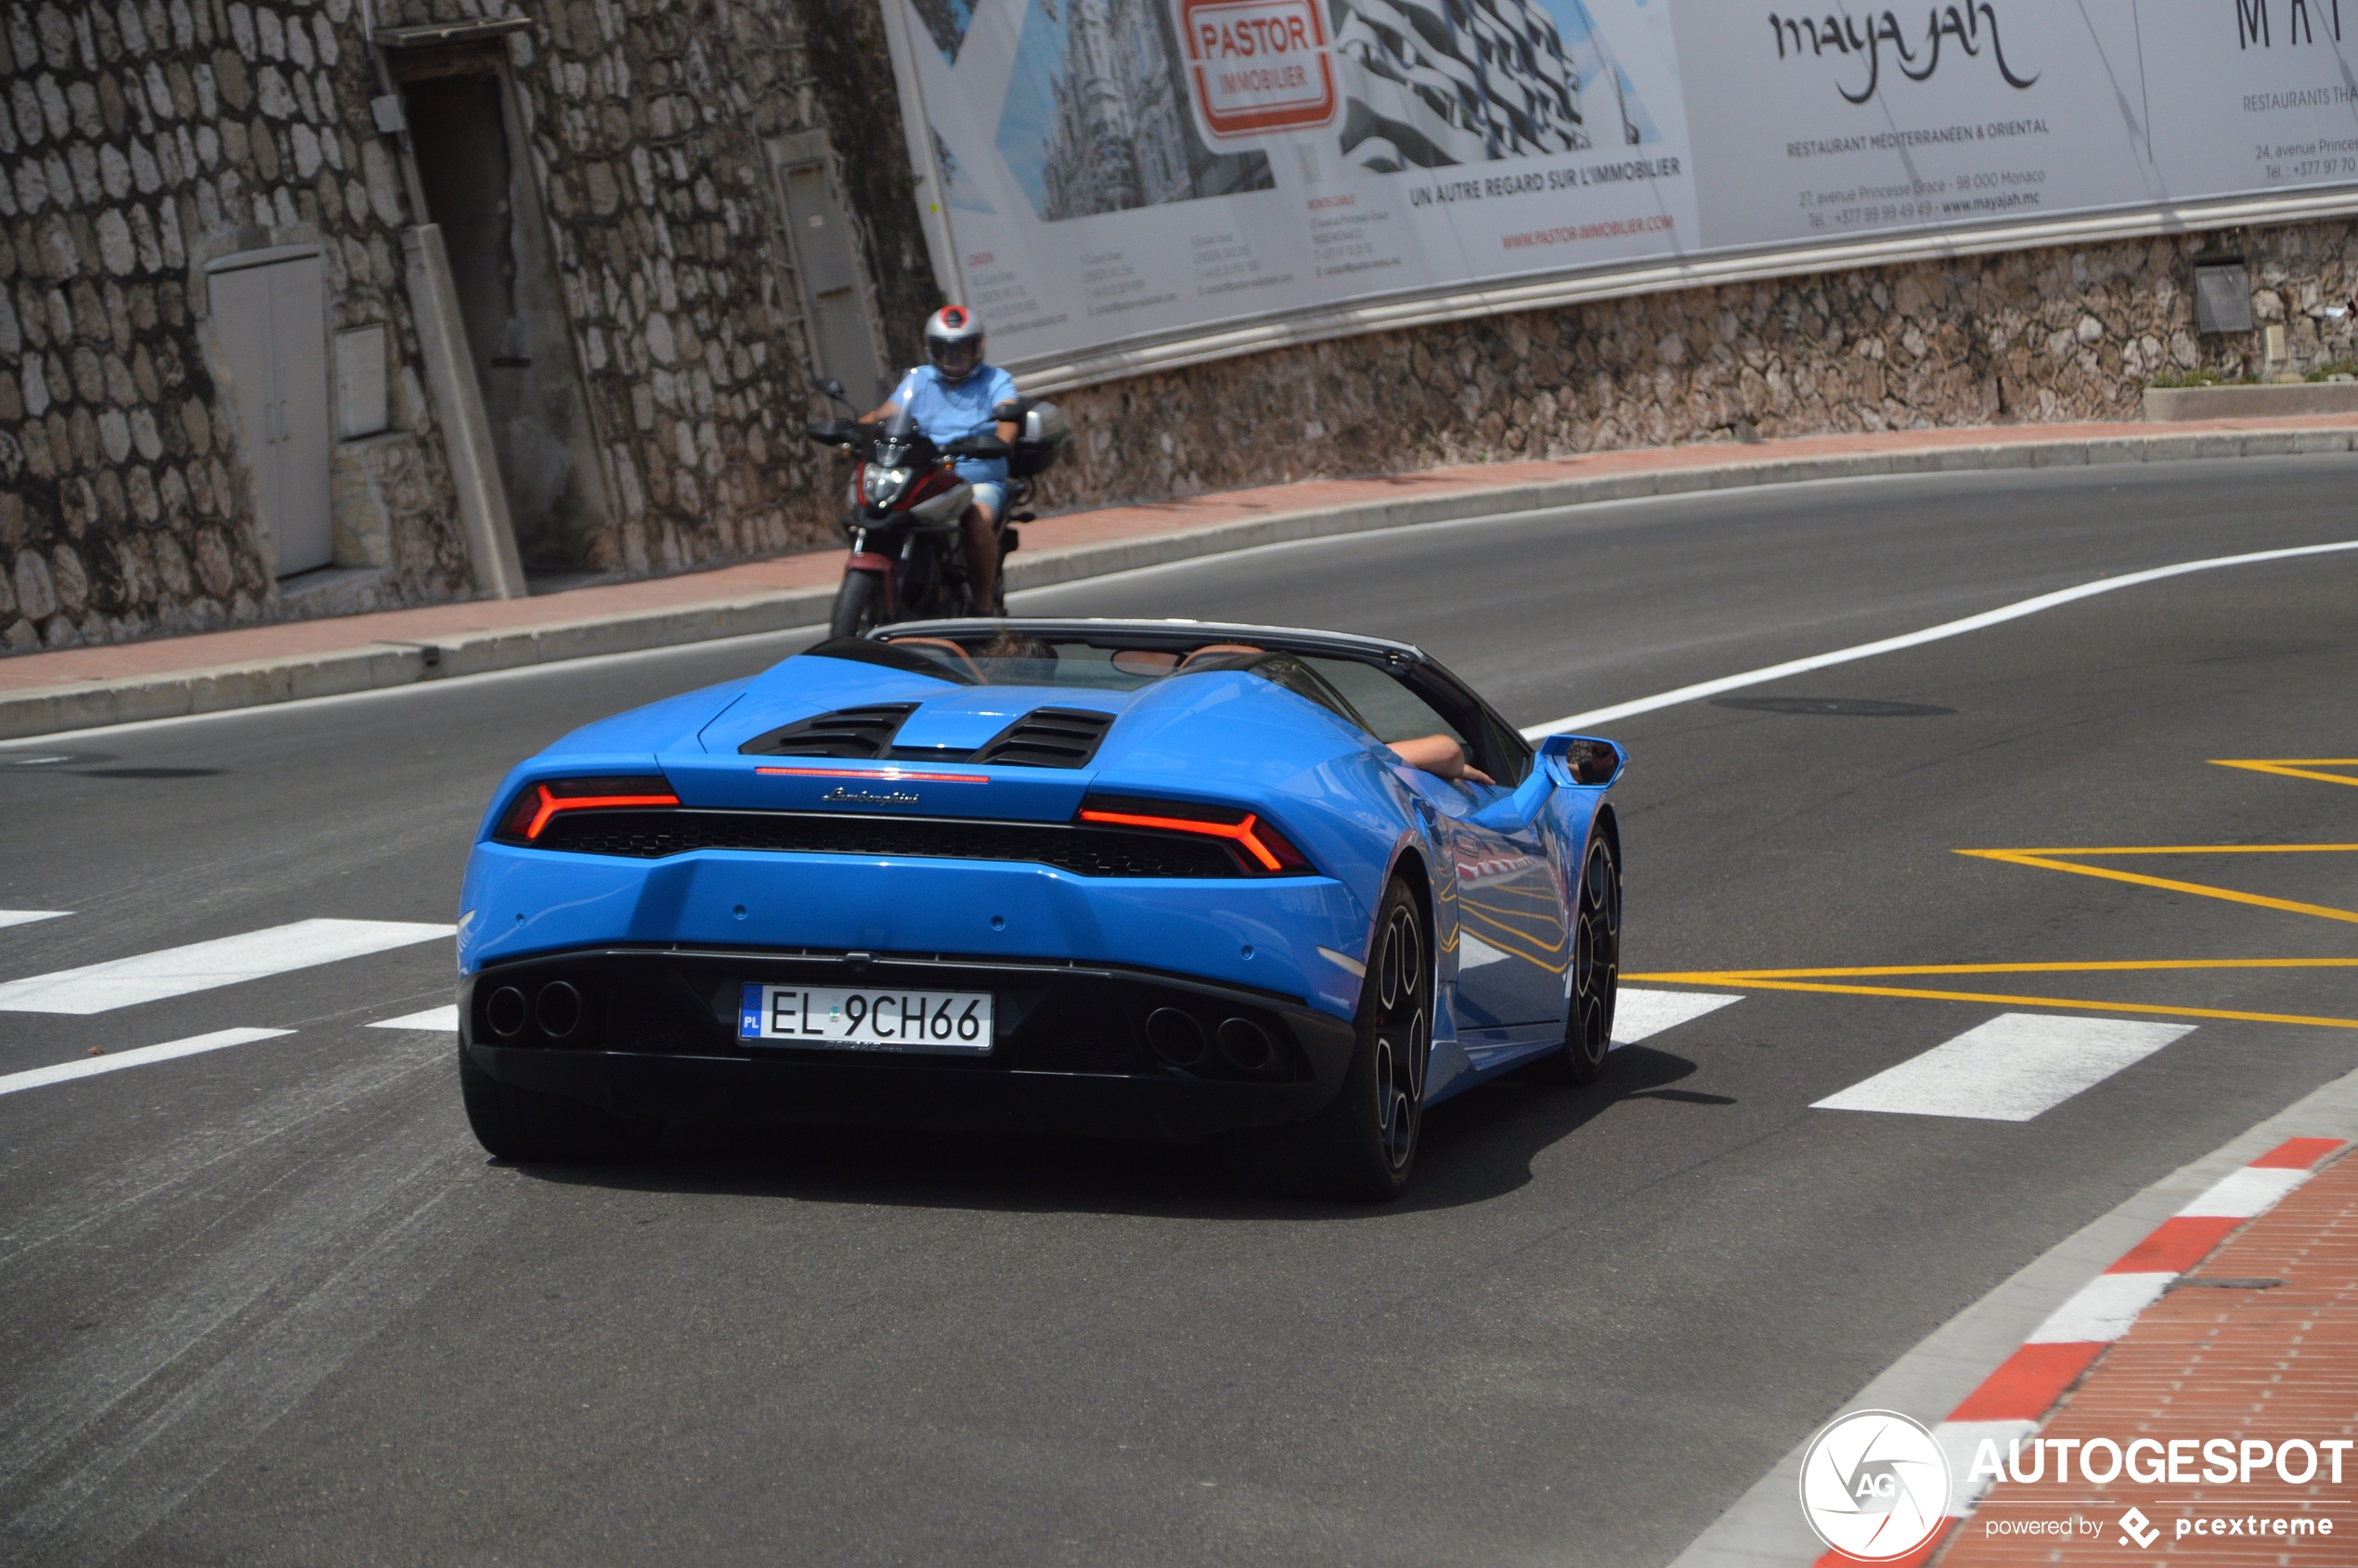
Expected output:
(1364, 1144)
(1593, 985)
(859, 605)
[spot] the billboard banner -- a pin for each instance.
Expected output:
(1111, 175)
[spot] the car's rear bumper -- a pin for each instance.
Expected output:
(658, 1036)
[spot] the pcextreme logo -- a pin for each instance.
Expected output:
(1875, 1485)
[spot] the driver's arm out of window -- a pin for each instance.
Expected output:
(1440, 756)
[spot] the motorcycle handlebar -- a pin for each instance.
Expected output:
(840, 432)
(984, 446)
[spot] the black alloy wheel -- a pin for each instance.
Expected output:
(1400, 1037)
(1595, 979)
(859, 605)
(1364, 1144)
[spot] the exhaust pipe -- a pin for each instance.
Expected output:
(505, 1012)
(559, 1009)
(1175, 1036)
(1246, 1047)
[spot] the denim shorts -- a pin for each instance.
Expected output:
(992, 493)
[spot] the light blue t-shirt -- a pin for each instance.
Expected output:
(946, 412)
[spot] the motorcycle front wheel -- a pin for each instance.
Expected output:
(859, 605)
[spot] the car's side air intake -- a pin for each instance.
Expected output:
(856, 733)
(1048, 737)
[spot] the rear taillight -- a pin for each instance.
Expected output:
(1260, 849)
(536, 805)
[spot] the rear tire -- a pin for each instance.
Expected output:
(859, 605)
(1595, 977)
(513, 1123)
(1363, 1146)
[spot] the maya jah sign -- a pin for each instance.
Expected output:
(1259, 65)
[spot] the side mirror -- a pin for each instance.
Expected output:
(831, 387)
(1583, 761)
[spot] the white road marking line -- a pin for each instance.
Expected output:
(90, 1067)
(1474, 953)
(152, 977)
(2008, 1070)
(1638, 1014)
(2102, 1310)
(1999, 616)
(440, 1020)
(27, 916)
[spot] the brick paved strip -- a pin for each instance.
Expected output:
(71, 688)
(2222, 1355)
(2146, 1349)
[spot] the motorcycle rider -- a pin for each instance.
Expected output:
(950, 396)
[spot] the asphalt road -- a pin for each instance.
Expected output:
(270, 1303)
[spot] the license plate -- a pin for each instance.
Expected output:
(954, 1023)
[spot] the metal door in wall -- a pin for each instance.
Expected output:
(271, 320)
(840, 327)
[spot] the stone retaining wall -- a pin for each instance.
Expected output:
(2025, 337)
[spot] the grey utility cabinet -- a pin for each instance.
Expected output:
(270, 315)
(842, 336)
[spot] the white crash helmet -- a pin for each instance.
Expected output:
(954, 333)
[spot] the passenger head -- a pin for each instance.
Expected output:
(1011, 644)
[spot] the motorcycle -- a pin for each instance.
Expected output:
(904, 510)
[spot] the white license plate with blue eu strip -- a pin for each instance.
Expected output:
(954, 1023)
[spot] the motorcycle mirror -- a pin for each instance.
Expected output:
(831, 387)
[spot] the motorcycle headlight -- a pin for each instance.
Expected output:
(881, 485)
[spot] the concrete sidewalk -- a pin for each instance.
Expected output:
(2257, 1345)
(73, 689)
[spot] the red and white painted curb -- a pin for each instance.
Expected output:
(2013, 1401)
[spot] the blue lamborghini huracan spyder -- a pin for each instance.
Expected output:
(1135, 878)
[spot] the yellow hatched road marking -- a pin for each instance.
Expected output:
(2045, 861)
(1755, 982)
(1700, 977)
(2293, 767)
(2060, 860)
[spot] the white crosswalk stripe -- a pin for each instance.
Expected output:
(1638, 1014)
(90, 1067)
(152, 977)
(436, 1021)
(2010, 1069)
(27, 916)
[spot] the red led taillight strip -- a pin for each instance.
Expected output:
(552, 804)
(1240, 833)
(889, 775)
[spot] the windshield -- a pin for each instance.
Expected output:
(1021, 659)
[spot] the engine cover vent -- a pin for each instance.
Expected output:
(1049, 738)
(855, 734)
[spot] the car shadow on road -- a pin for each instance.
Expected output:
(1476, 1148)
